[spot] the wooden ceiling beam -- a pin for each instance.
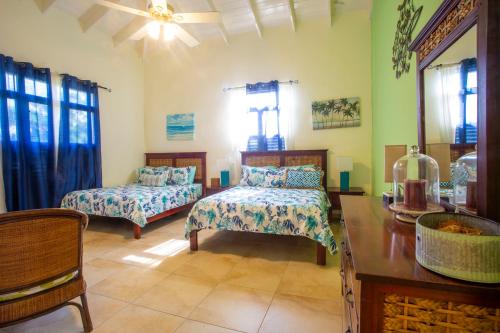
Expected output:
(293, 16)
(92, 15)
(43, 5)
(220, 25)
(255, 16)
(130, 29)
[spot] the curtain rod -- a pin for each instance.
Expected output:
(243, 87)
(444, 65)
(98, 86)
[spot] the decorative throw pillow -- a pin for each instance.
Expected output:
(303, 179)
(148, 170)
(192, 174)
(262, 176)
(252, 176)
(180, 176)
(153, 180)
(275, 178)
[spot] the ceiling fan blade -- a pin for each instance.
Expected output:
(185, 36)
(122, 8)
(202, 17)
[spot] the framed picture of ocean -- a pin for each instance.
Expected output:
(180, 127)
(336, 113)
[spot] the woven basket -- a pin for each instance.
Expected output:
(412, 314)
(465, 257)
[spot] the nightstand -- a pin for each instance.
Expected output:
(334, 194)
(214, 190)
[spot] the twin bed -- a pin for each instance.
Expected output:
(144, 204)
(273, 210)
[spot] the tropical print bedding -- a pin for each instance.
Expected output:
(134, 202)
(299, 212)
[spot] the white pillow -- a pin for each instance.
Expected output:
(153, 180)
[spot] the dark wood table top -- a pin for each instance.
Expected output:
(383, 249)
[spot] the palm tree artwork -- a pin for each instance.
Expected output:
(336, 113)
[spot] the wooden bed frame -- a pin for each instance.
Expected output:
(280, 159)
(177, 160)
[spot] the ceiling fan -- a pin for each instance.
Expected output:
(165, 21)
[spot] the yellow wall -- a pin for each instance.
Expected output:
(328, 62)
(55, 40)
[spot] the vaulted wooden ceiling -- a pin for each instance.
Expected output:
(238, 16)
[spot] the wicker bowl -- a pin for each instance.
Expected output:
(465, 257)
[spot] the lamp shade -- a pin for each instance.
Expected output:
(441, 153)
(344, 163)
(392, 154)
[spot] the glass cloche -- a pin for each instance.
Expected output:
(416, 186)
(464, 180)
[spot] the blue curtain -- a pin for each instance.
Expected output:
(79, 152)
(26, 124)
(264, 106)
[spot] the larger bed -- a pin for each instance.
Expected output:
(144, 204)
(282, 211)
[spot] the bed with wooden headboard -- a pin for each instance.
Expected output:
(287, 158)
(141, 204)
(236, 209)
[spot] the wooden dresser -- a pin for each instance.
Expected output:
(386, 290)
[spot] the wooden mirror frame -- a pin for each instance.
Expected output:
(450, 22)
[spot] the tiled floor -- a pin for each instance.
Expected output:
(236, 282)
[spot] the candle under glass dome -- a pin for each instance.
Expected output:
(415, 186)
(465, 181)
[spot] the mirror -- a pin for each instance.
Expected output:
(451, 121)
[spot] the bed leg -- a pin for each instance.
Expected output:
(193, 240)
(320, 254)
(137, 231)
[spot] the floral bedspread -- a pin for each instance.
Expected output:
(300, 212)
(134, 202)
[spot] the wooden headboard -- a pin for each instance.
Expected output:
(287, 158)
(177, 160)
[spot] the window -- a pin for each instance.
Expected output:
(264, 117)
(36, 95)
(466, 131)
(81, 114)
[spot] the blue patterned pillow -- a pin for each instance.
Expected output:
(181, 176)
(192, 174)
(252, 176)
(153, 180)
(303, 179)
(148, 170)
(275, 178)
(262, 176)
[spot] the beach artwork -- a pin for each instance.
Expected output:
(336, 113)
(180, 127)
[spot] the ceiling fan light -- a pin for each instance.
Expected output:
(154, 29)
(169, 32)
(159, 7)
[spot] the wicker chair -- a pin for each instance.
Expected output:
(41, 264)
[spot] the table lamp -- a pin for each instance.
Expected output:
(344, 165)
(223, 165)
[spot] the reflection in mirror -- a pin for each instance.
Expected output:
(451, 104)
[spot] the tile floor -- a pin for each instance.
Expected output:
(236, 282)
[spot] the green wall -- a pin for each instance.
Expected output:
(394, 102)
